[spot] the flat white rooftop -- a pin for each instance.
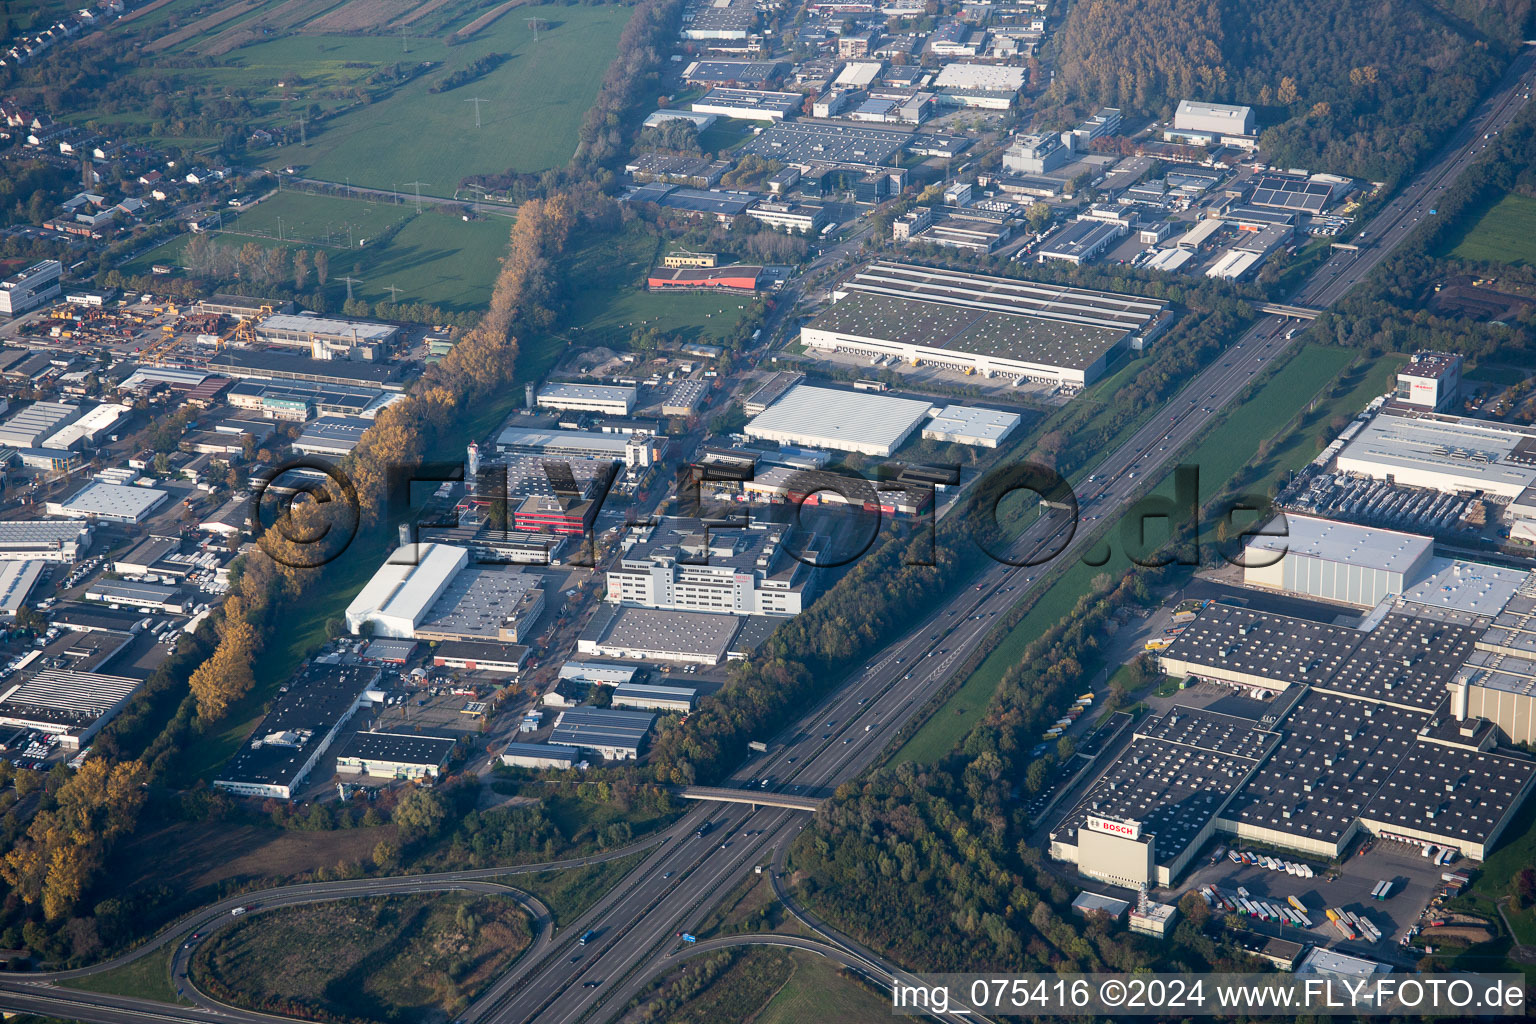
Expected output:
(1363, 546)
(1466, 586)
(110, 501)
(326, 327)
(559, 392)
(852, 421)
(962, 422)
(405, 586)
(1448, 453)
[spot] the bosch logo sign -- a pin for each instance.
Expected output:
(1128, 829)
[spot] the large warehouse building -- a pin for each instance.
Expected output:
(431, 592)
(327, 338)
(981, 324)
(1444, 453)
(1378, 730)
(616, 399)
(1335, 561)
(848, 421)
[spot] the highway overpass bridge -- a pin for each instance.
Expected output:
(754, 797)
(1281, 309)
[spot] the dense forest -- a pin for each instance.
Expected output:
(1362, 88)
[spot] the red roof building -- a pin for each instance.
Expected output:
(731, 279)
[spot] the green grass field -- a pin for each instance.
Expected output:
(1505, 233)
(609, 303)
(435, 258)
(148, 977)
(569, 893)
(817, 990)
(1218, 459)
(384, 958)
(534, 101)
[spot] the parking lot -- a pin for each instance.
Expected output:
(1414, 882)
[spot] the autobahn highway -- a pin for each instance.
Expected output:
(673, 890)
(561, 981)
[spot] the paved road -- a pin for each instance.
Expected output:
(674, 888)
(38, 993)
(562, 981)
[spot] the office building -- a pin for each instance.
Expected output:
(1036, 154)
(688, 565)
(1431, 380)
(27, 289)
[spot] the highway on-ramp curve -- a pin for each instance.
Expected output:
(674, 888)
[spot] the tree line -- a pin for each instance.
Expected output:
(1362, 89)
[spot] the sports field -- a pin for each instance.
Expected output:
(433, 257)
(533, 102)
(609, 303)
(1505, 233)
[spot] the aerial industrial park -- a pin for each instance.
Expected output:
(806, 503)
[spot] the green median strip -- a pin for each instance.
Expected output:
(1219, 457)
(148, 977)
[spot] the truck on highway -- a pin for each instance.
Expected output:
(588, 936)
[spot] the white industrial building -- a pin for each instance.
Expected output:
(1211, 122)
(28, 426)
(689, 565)
(385, 755)
(1335, 561)
(971, 424)
(327, 338)
(1444, 453)
(88, 429)
(654, 634)
(30, 288)
(650, 697)
(16, 582)
(405, 587)
(615, 399)
(849, 421)
(616, 735)
(116, 502)
(70, 705)
(43, 540)
(537, 755)
(984, 86)
(1431, 380)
